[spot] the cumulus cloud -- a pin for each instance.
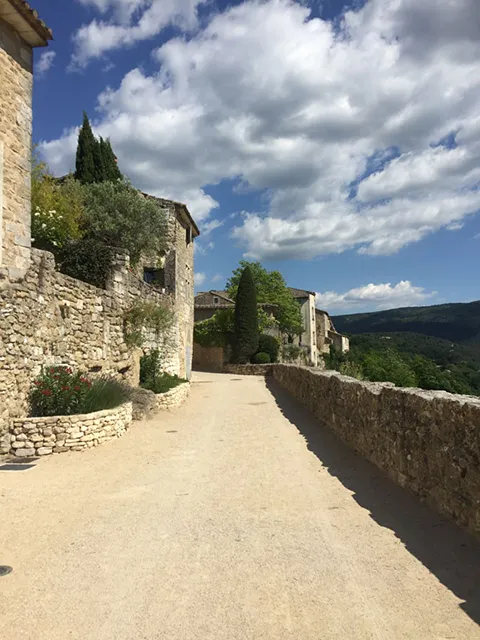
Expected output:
(45, 62)
(363, 137)
(131, 21)
(200, 278)
(372, 297)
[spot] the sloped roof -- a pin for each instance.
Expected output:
(179, 207)
(10, 10)
(301, 293)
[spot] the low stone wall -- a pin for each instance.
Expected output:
(426, 441)
(57, 434)
(248, 369)
(146, 403)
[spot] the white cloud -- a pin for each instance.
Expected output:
(131, 22)
(217, 277)
(45, 62)
(283, 103)
(210, 226)
(372, 297)
(202, 249)
(199, 278)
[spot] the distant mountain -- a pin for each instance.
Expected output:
(455, 322)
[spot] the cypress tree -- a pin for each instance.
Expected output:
(246, 333)
(98, 156)
(112, 171)
(85, 159)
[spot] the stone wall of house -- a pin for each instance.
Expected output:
(208, 358)
(184, 292)
(16, 83)
(426, 441)
(48, 318)
(30, 437)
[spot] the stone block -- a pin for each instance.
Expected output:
(44, 451)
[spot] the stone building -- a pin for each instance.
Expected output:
(318, 330)
(20, 31)
(46, 317)
(327, 334)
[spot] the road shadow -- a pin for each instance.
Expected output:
(450, 553)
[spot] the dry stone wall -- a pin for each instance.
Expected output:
(48, 318)
(30, 437)
(426, 441)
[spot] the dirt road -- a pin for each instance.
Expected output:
(234, 517)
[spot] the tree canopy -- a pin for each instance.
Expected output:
(271, 288)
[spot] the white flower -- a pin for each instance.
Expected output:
(36, 214)
(60, 217)
(52, 211)
(44, 226)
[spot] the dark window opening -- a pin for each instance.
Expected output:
(188, 234)
(215, 301)
(155, 277)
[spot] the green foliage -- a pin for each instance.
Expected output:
(292, 352)
(216, 331)
(119, 216)
(146, 316)
(59, 391)
(57, 210)
(261, 358)
(151, 376)
(352, 369)
(270, 345)
(271, 288)
(105, 393)
(245, 341)
(88, 260)
(405, 370)
(85, 170)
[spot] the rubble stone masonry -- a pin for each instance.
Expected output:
(426, 441)
(16, 83)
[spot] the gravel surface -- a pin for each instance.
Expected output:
(234, 517)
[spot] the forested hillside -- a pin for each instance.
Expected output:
(435, 347)
(457, 322)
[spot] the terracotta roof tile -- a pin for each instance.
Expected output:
(32, 18)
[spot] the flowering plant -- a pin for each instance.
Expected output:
(58, 391)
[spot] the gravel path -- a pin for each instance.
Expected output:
(234, 517)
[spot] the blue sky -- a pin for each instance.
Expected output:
(337, 142)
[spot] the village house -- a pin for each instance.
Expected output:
(48, 318)
(318, 330)
(20, 31)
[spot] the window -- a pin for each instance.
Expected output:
(155, 277)
(188, 235)
(215, 300)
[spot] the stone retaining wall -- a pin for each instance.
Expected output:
(146, 403)
(41, 436)
(426, 441)
(248, 369)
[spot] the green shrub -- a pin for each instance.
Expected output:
(261, 358)
(146, 316)
(151, 376)
(292, 352)
(162, 382)
(88, 260)
(149, 366)
(269, 344)
(59, 391)
(105, 393)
